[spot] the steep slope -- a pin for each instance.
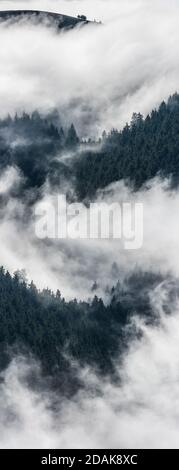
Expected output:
(92, 333)
(145, 148)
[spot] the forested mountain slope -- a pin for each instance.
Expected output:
(57, 332)
(143, 149)
(43, 323)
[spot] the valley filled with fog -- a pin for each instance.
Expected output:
(89, 329)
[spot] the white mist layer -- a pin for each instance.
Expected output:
(9, 179)
(142, 412)
(129, 64)
(74, 265)
(96, 75)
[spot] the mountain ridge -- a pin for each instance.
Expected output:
(62, 21)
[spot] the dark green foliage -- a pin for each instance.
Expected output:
(72, 139)
(34, 144)
(142, 150)
(146, 148)
(44, 324)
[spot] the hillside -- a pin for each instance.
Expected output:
(144, 149)
(61, 21)
(43, 324)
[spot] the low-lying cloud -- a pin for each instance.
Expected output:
(98, 75)
(74, 265)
